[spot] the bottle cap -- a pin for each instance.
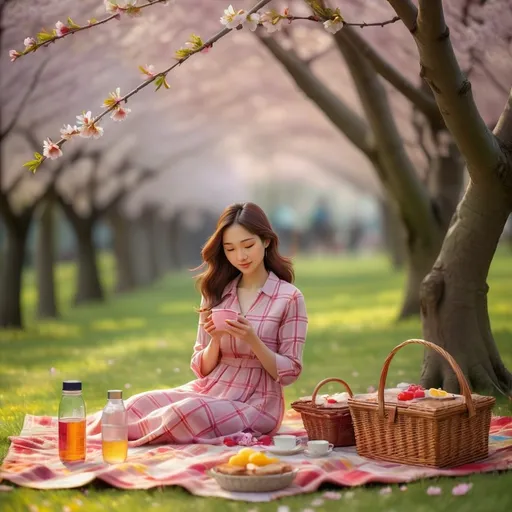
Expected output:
(115, 394)
(72, 385)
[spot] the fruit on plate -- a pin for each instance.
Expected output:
(437, 393)
(249, 456)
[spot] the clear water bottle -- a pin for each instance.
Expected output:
(72, 422)
(114, 429)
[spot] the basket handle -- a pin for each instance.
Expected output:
(466, 392)
(325, 381)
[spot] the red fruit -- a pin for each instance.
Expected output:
(405, 395)
(331, 401)
(412, 387)
(419, 393)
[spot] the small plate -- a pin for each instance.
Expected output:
(308, 454)
(450, 396)
(279, 451)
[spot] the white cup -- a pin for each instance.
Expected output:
(285, 442)
(319, 447)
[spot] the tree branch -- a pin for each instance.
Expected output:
(401, 176)
(503, 128)
(407, 12)
(422, 101)
(451, 89)
(345, 119)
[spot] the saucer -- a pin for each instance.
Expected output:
(280, 451)
(309, 454)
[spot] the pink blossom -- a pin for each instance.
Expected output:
(120, 114)
(51, 150)
(68, 131)
(317, 502)
(111, 6)
(13, 54)
(434, 491)
(61, 29)
(403, 488)
(87, 128)
(29, 42)
(385, 491)
(461, 489)
(148, 71)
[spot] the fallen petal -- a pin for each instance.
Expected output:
(332, 495)
(434, 491)
(461, 489)
(385, 491)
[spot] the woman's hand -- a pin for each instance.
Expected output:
(242, 329)
(209, 327)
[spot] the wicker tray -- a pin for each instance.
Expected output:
(250, 483)
(428, 432)
(331, 424)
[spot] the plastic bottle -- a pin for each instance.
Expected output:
(114, 429)
(72, 422)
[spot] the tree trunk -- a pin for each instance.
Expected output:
(12, 270)
(122, 253)
(88, 285)
(148, 220)
(420, 258)
(45, 261)
(393, 233)
(454, 295)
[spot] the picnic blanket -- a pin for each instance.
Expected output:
(33, 461)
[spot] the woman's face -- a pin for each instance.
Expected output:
(244, 250)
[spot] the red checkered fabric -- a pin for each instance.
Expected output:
(239, 395)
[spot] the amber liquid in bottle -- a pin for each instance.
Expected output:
(115, 452)
(72, 440)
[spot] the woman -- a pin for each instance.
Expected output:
(241, 371)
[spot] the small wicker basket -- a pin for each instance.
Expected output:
(331, 424)
(429, 432)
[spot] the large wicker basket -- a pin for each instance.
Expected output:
(332, 424)
(435, 433)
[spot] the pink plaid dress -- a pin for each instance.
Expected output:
(239, 395)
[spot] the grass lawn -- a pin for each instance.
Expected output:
(144, 341)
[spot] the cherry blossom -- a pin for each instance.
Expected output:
(29, 42)
(13, 54)
(87, 127)
(147, 71)
(51, 150)
(61, 29)
(252, 21)
(68, 131)
(232, 19)
(334, 25)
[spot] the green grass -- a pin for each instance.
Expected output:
(145, 340)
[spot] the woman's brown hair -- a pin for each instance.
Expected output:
(219, 272)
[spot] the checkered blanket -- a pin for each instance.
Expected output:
(33, 461)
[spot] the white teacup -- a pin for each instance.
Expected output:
(319, 447)
(285, 442)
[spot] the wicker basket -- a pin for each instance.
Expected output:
(251, 483)
(429, 432)
(331, 424)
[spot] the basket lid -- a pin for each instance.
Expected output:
(423, 406)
